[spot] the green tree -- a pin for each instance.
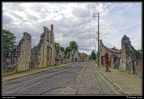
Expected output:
(73, 45)
(137, 53)
(93, 55)
(8, 40)
(62, 49)
(57, 47)
(68, 49)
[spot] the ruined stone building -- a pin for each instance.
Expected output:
(61, 57)
(83, 57)
(24, 52)
(74, 55)
(23, 57)
(127, 54)
(109, 56)
(122, 59)
(9, 61)
(68, 57)
(44, 53)
(19, 58)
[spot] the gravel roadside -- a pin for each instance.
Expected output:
(128, 82)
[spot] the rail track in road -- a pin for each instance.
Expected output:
(76, 91)
(97, 89)
(105, 85)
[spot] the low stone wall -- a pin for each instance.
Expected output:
(138, 65)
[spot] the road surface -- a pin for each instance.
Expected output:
(78, 78)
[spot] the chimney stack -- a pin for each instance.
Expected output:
(52, 28)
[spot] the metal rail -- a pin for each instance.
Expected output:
(96, 80)
(108, 83)
(76, 92)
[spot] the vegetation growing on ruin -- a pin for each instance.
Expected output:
(138, 55)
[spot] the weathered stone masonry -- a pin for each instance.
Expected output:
(23, 57)
(20, 57)
(43, 54)
(122, 59)
(24, 52)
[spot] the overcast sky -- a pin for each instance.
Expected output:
(74, 21)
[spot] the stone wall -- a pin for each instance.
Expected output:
(138, 66)
(127, 54)
(23, 57)
(44, 53)
(123, 59)
(24, 52)
(20, 57)
(61, 57)
(114, 55)
(83, 57)
(75, 55)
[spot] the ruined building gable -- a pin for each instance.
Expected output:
(43, 54)
(24, 52)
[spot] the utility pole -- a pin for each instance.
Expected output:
(97, 15)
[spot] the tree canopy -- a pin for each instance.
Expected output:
(73, 45)
(57, 47)
(68, 49)
(93, 55)
(138, 55)
(62, 49)
(8, 40)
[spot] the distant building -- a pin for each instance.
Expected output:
(74, 55)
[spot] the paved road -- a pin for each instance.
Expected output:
(78, 78)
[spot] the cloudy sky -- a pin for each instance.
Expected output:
(74, 21)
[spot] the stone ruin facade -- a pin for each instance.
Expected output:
(74, 55)
(121, 59)
(83, 57)
(61, 57)
(113, 56)
(44, 53)
(20, 57)
(128, 55)
(23, 57)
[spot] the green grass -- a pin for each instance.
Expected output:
(121, 70)
(96, 62)
(131, 73)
